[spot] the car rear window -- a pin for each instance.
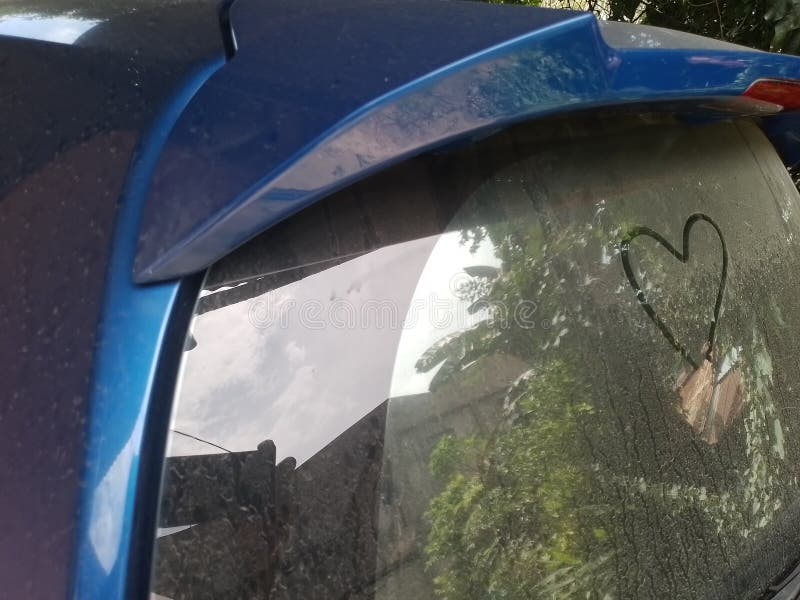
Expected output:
(559, 362)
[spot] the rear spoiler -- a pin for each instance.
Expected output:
(320, 95)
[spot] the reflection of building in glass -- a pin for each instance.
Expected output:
(261, 530)
(348, 523)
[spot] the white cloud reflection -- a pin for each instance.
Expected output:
(302, 386)
(298, 386)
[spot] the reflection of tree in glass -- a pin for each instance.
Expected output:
(501, 514)
(593, 485)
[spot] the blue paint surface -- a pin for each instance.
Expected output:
(318, 97)
(74, 109)
(130, 341)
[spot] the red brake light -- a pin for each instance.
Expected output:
(777, 91)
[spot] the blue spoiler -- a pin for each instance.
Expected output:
(320, 95)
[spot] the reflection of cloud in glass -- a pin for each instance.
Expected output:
(423, 327)
(59, 29)
(297, 384)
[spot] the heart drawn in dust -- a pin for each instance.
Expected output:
(683, 256)
(708, 403)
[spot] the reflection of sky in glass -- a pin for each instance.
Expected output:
(300, 385)
(303, 382)
(435, 311)
(59, 29)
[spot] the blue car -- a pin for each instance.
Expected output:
(393, 299)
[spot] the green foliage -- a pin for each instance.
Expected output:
(784, 18)
(512, 508)
(763, 24)
(591, 485)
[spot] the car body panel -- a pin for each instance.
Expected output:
(75, 113)
(133, 345)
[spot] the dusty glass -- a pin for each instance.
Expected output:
(561, 362)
